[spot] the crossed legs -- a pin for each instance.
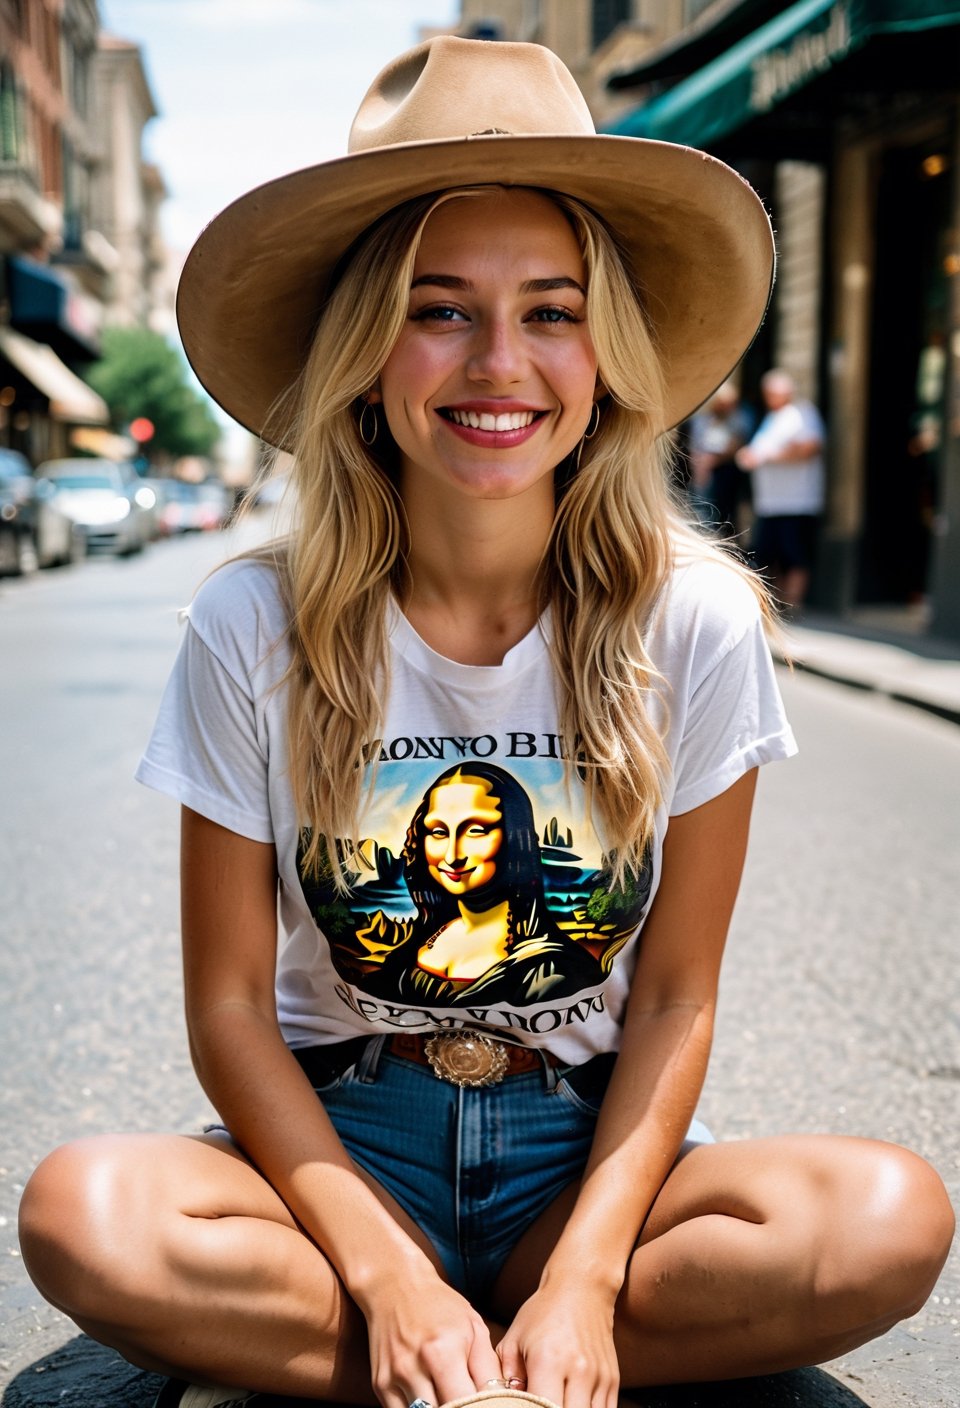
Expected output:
(757, 1256)
(766, 1254)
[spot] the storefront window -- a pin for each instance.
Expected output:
(607, 14)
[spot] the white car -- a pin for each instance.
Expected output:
(106, 500)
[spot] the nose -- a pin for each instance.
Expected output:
(497, 356)
(453, 857)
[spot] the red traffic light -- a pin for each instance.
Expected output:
(141, 430)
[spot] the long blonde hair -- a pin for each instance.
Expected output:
(617, 533)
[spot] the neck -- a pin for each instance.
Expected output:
(473, 568)
(496, 916)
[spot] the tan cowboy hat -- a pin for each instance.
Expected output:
(463, 112)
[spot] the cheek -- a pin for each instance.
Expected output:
(482, 873)
(412, 370)
(494, 842)
(584, 371)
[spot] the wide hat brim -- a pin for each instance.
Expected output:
(698, 236)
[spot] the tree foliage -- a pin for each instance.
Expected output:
(141, 374)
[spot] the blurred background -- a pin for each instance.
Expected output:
(126, 124)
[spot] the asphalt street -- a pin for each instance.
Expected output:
(840, 1004)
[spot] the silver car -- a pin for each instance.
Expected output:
(105, 500)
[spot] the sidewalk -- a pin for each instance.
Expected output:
(919, 671)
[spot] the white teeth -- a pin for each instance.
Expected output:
(510, 420)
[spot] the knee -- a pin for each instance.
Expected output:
(911, 1204)
(47, 1207)
(72, 1217)
(895, 1232)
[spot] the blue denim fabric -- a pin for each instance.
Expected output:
(473, 1168)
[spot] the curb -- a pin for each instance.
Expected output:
(876, 668)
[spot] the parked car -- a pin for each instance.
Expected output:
(194, 508)
(157, 490)
(106, 500)
(34, 532)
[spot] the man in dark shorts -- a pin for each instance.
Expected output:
(785, 461)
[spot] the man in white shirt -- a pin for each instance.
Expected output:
(785, 460)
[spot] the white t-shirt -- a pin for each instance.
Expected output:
(479, 894)
(795, 487)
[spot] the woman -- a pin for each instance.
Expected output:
(510, 313)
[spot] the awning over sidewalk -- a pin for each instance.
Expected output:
(777, 60)
(103, 443)
(71, 399)
(43, 305)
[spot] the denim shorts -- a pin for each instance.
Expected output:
(473, 1168)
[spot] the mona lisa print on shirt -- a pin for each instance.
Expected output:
(475, 884)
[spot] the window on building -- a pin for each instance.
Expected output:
(9, 115)
(607, 14)
(72, 220)
(485, 29)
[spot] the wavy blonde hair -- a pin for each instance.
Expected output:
(617, 533)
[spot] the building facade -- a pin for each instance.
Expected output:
(49, 321)
(127, 191)
(80, 243)
(845, 115)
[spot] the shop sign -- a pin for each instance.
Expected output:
(777, 74)
(81, 315)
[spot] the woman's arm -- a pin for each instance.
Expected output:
(561, 1340)
(425, 1339)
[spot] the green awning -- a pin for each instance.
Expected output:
(781, 57)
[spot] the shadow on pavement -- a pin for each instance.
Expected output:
(801, 1388)
(83, 1374)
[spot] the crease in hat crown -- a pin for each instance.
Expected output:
(449, 87)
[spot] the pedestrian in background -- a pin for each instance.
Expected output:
(490, 714)
(715, 433)
(785, 462)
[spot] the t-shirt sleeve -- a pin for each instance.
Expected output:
(207, 749)
(734, 720)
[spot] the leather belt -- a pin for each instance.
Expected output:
(468, 1058)
(462, 1057)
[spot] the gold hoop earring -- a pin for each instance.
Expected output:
(368, 439)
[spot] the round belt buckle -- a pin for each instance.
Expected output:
(467, 1058)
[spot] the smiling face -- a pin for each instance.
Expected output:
(463, 834)
(491, 382)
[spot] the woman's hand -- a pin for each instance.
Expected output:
(426, 1341)
(561, 1343)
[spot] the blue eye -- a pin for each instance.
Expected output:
(555, 315)
(437, 312)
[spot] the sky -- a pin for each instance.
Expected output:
(250, 89)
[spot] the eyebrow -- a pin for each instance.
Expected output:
(531, 285)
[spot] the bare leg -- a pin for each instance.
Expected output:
(792, 587)
(176, 1252)
(765, 1255)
